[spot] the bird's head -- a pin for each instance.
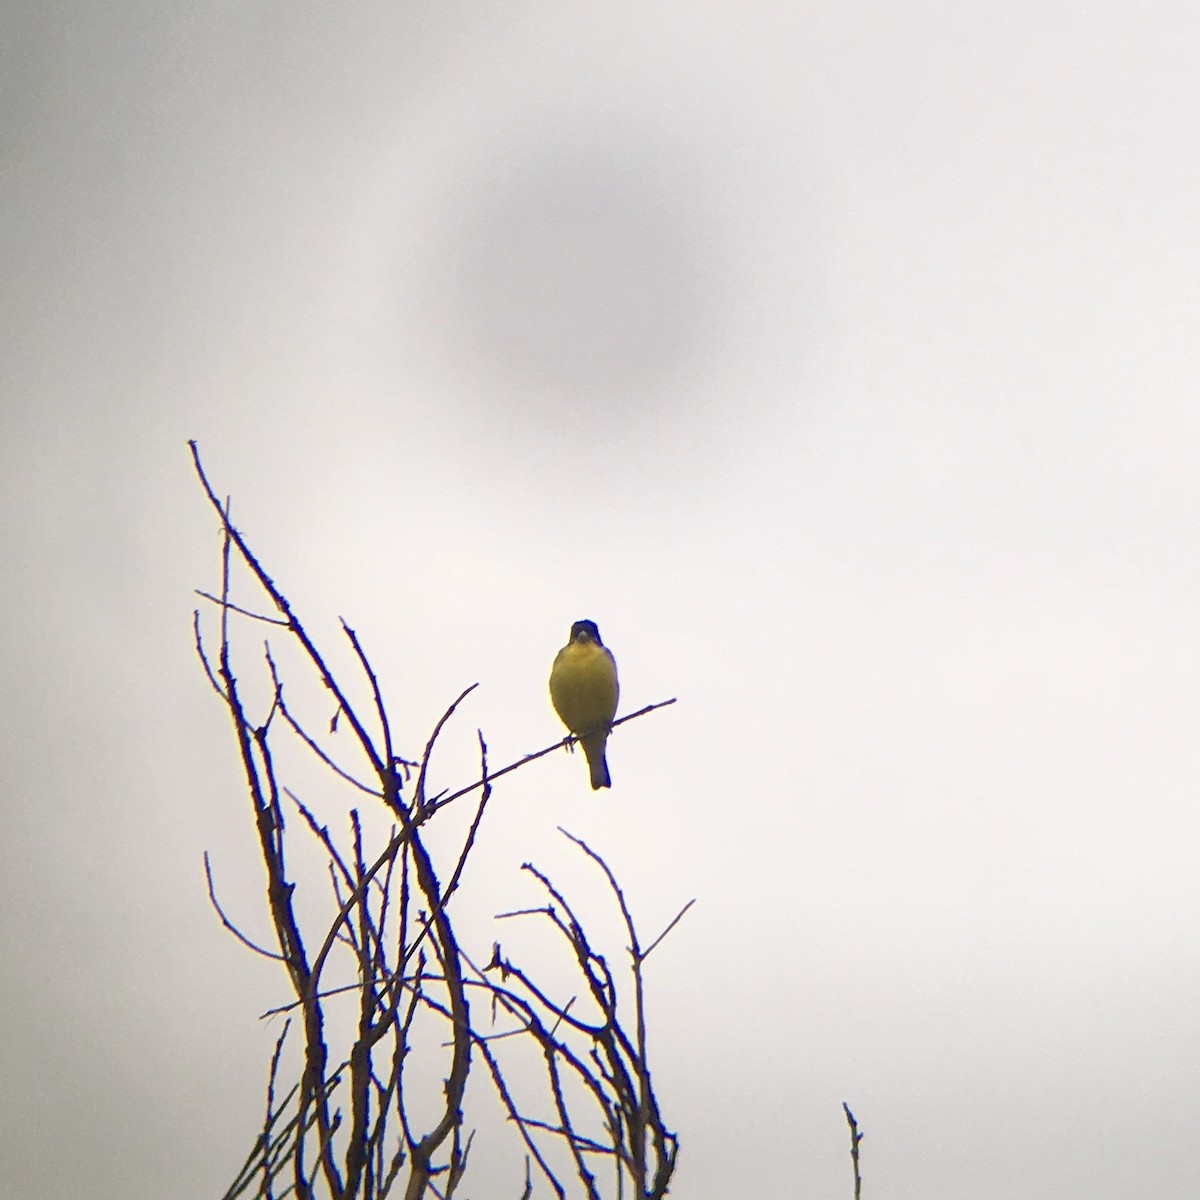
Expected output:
(586, 631)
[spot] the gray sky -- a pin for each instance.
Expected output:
(839, 361)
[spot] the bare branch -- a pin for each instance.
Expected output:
(376, 971)
(855, 1138)
(435, 805)
(674, 921)
(245, 612)
(237, 933)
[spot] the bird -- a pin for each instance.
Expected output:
(584, 691)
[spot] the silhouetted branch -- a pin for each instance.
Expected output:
(237, 933)
(855, 1138)
(381, 960)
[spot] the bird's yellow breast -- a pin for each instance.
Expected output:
(583, 687)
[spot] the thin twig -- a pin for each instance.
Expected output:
(237, 608)
(376, 691)
(237, 933)
(678, 917)
(306, 737)
(434, 805)
(855, 1138)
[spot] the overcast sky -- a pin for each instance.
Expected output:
(839, 360)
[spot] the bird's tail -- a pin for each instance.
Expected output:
(593, 749)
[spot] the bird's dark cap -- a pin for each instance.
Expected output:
(586, 627)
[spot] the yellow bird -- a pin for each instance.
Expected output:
(583, 688)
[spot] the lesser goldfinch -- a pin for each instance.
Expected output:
(583, 688)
